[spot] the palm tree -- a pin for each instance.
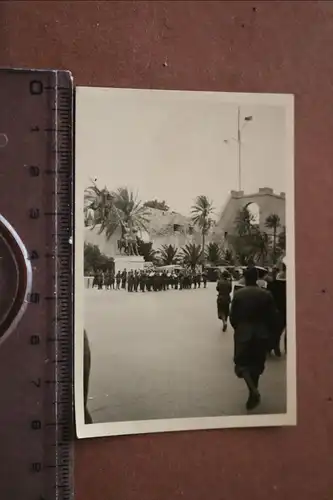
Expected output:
(213, 254)
(228, 257)
(168, 254)
(201, 212)
(129, 211)
(281, 240)
(192, 255)
(273, 222)
(117, 209)
(146, 251)
(101, 202)
(244, 221)
(261, 245)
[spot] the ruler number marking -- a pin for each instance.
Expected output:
(36, 87)
(34, 298)
(35, 340)
(63, 130)
(36, 466)
(36, 425)
(34, 171)
(34, 213)
(37, 383)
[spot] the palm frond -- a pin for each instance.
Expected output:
(192, 255)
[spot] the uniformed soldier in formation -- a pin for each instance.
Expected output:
(204, 279)
(142, 281)
(112, 280)
(123, 279)
(164, 281)
(130, 281)
(108, 279)
(149, 280)
(100, 280)
(175, 280)
(136, 281)
(118, 280)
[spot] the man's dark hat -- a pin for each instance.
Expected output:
(251, 274)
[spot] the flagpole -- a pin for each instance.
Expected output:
(239, 142)
(238, 139)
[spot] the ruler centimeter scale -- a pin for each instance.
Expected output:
(36, 357)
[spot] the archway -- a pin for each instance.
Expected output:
(254, 211)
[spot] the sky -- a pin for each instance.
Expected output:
(171, 145)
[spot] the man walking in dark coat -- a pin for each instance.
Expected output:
(254, 318)
(277, 287)
(223, 288)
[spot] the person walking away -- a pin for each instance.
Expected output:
(277, 286)
(224, 289)
(118, 280)
(253, 316)
(86, 377)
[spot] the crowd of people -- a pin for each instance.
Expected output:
(149, 280)
(258, 315)
(255, 305)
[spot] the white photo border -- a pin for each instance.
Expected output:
(289, 418)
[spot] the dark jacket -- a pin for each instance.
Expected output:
(279, 292)
(253, 314)
(224, 288)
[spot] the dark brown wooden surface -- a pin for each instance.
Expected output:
(230, 46)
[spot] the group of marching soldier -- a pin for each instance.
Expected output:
(149, 280)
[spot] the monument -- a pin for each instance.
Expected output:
(128, 255)
(122, 247)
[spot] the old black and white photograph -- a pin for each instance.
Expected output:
(184, 261)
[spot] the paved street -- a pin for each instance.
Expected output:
(164, 355)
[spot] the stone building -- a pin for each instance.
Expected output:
(172, 228)
(265, 202)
